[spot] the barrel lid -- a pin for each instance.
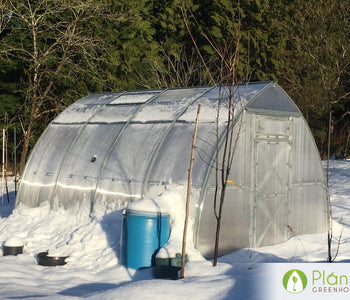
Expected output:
(130, 211)
(148, 207)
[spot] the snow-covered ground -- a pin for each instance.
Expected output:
(93, 246)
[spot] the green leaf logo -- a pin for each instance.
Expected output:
(294, 281)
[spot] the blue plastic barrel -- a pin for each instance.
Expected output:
(143, 234)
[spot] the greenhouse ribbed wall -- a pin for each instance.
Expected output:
(110, 149)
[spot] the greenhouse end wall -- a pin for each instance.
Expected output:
(281, 189)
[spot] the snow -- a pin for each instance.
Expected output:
(13, 242)
(166, 107)
(92, 246)
(133, 98)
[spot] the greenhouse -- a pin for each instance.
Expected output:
(110, 149)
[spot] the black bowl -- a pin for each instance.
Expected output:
(12, 250)
(45, 260)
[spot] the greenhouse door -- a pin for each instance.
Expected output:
(272, 147)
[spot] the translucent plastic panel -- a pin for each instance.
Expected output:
(241, 171)
(205, 148)
(133, 98)
(209, 106)
(42, 168)
(273, 100)
(241, 92)
(234, 232)
(173, 159)
(308, 209)
(208, 111)
(240, 174)
(272, 171)
(273, 126)
(99, 98)
(82, 167)
(306, 160)
(111, 114)
(175, 95)
(116, 193)
(271, 219)
(77, 113)
(215, 94)
(82, 110)
(169, 105)
(129, 161)
(249, 91)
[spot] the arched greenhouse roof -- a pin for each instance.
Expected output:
(115, 145)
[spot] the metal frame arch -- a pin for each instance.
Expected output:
(93, 200)
(79, 132)
(157, 150)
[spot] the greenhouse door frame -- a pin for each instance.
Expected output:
(271, 179)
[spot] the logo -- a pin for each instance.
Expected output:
(294, 281)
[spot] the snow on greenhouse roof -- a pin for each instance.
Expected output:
(133, 98)
(168, 105)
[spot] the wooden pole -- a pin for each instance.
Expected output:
(3, 166)
(188, 196)
(330, 224)
(6, 184)
(15, 157)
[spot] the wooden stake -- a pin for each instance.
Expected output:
(6, 184)
(15, 157)
(188, 196)
(3, 165)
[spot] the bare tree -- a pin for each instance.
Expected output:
(4, 17)
(54, 40)
(225, 77)
(174, 70)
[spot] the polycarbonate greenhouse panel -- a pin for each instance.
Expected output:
(241, 93)
(309, 207)
(82, 166)
(272, 100)
(42, 168)
(173, 96)
(205, 148)
(306, 167)
(129, 160)
(242, 156)
(208, 111)
(134, 98)
(240, 172)
(169, 105)
(272, 168)
(84, 109)
(271, 220)
(174, 155)
(97, 99)
(116, 193)
(173, 159)
(235, 233)
(114, 114)
(248, 91)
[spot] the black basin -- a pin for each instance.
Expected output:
(12, 250)
(45, 260)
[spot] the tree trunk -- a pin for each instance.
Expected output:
(27, 137)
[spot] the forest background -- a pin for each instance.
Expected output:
(54, 52)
